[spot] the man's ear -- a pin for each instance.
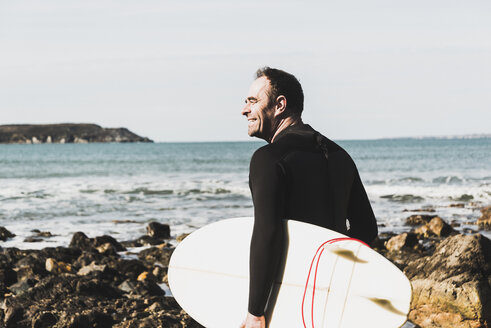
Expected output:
(280, 106)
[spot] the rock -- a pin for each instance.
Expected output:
(23, 286)
(404, 240)
(13, 314)
(452, 284)
(95, 287)
(457, 205)
(436, 227)
(90, 299)
(422, 231)
(32, 240)
(464, 198)
(27, 272)
(91, 319)
(44, 320)
(44, 234)
(155, 254)
(54, 266)
(439, 227)
(91, 268)
(66, 133)
(158, 230)
(5, 234)
(143, 241)
(159, 273)
(129, 268)
(7, 276)
(106, 245)
(419, 219)
(98, 241)
(146, 276)
(81, 241)
(107, 249)
(484, 222)
(154, 307)
(181, 237)
(141, 288)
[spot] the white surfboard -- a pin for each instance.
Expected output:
(354, 287)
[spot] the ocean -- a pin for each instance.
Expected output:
(117, 189)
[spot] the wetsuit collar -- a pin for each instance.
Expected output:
(299, 127)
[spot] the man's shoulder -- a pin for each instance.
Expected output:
(269, 153)
(336, 152)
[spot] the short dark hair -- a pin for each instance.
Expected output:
(283, 83)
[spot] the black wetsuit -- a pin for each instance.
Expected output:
(306, 177)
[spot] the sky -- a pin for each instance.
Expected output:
(180, 70)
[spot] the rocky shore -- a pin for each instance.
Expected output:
(450, 272)
(97, 282)
(65, 133)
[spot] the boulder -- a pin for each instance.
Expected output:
(158, 230)
(22, 286)
(5, 234)
(13, 314)
(419, 219)
(7, 276)
(43, 234)
(436, 227)
(141, 288)
(91, 318)
(54, 266)
(106, 245)
(484, 221)
(439, 227)
(451, 287)
(156, 254)
(101, 240)
(404, 240)
(44, 319)
(91, 268)
(81, 241)
(129, 268)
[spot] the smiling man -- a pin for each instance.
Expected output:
(299, 175)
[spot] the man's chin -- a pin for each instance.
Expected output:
(252, 133)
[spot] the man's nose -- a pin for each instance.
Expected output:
(246, 109)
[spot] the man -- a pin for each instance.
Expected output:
(299, 175)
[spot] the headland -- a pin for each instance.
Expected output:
(65, 133)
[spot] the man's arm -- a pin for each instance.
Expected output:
(266, 242)
(363, 224)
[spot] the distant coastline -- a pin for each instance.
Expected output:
(65, 133)
(462, 136)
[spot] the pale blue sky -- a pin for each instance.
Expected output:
(179, 70)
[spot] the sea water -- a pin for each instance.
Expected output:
(117, 189)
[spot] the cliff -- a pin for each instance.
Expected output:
(66, 133)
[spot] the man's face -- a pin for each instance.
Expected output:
(257, 110)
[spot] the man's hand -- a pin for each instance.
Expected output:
(252, 321)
